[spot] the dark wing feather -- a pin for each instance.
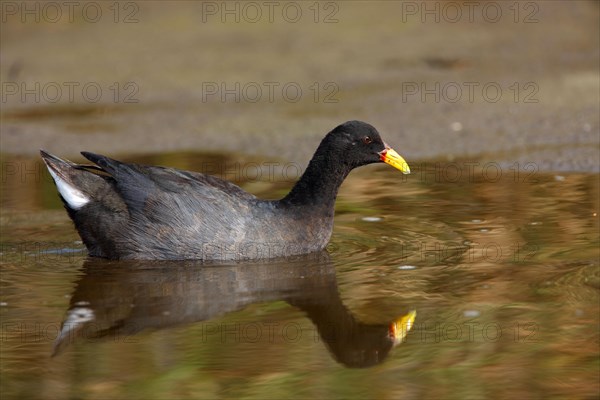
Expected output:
(177, 211)
(131, 183)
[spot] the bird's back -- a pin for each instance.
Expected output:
(130, 211)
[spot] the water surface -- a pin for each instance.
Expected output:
(501, 269)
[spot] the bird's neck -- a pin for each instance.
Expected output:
(318, 186)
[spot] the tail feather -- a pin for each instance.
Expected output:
(89, 195)
(62, 173)
(105, 163)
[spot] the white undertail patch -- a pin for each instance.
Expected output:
(73, 196)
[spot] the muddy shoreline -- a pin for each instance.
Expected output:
(511, 90)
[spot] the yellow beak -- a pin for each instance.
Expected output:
(389, 156)
(399, 328)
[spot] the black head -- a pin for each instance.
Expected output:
(357, 143)
(349, 145)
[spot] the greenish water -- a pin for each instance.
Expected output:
(502, 270)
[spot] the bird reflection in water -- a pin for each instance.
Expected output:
(126, 297)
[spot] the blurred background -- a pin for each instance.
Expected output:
(504, 81)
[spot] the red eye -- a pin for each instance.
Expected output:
(367, 140)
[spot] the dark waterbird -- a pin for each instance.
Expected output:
(131, 211)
